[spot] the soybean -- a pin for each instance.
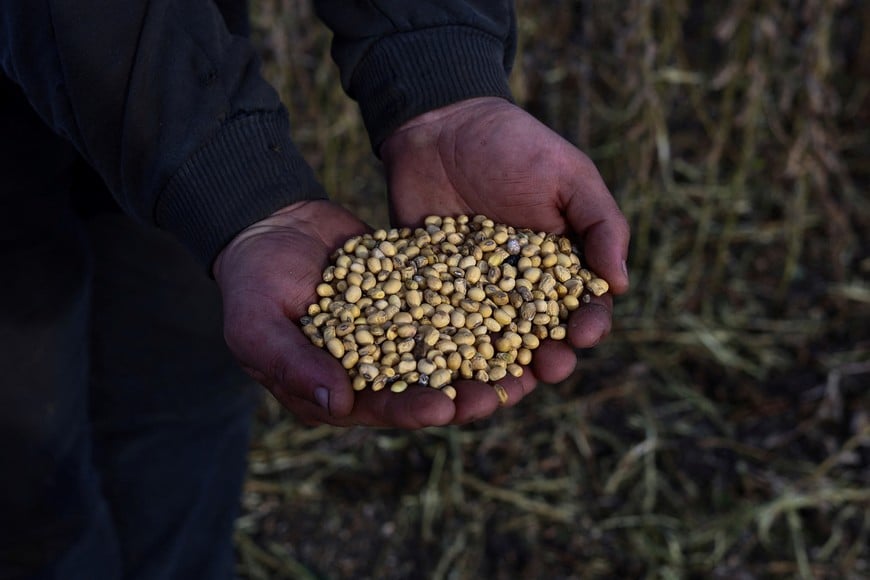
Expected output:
(462, 297)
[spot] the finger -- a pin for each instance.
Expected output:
(309, 413)
(594, 215)
(605, 246)
(554, 361)
(514, 389)
(414, 408)
(529, 381)
(590, 323)
(283, 359)
(474, 400)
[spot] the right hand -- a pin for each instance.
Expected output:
(488, 156)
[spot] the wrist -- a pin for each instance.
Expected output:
(425, 129)
(318, 223)
(438, 115)
(285, 218)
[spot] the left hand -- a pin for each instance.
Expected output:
(488, 156)
(267, 276)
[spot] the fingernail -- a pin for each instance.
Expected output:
(322, 396)
(625, 269)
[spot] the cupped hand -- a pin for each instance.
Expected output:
(488, 156)
(267, 276)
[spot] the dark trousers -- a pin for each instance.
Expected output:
(124, 421)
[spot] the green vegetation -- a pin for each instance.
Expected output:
(723, 430)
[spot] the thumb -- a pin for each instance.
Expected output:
(595, 216)
(278, 355)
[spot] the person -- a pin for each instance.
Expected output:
(123, 426)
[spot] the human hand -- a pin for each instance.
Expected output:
(267, 276)
(488, 156)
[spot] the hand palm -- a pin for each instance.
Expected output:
(485, 165)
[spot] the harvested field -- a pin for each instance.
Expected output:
(723, 429)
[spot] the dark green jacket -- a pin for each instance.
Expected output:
(164, 98)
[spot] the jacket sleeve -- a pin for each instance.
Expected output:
(166, 104)
(399, 59)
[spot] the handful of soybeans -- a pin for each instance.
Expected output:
(460, 298)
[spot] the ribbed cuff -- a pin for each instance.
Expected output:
(249, 170)
(408, 74)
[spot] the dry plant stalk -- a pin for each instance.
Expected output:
(460, 298)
